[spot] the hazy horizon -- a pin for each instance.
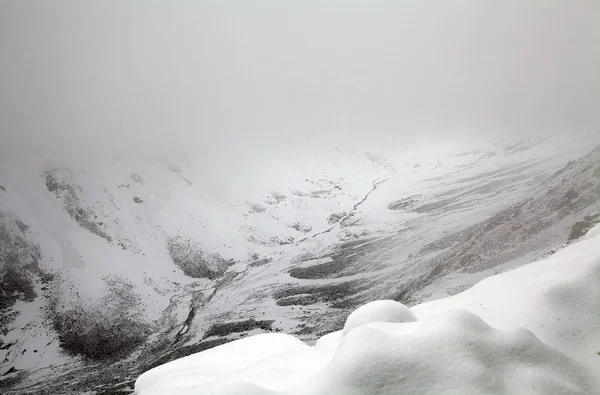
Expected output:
(226, 78)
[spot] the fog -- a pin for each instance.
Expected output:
(222, 78)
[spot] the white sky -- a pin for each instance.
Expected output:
(217, 76)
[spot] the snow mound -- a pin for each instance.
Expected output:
(215, 363)
(449, 353)
(534, 330)
(379, 311)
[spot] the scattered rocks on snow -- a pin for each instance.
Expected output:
(256, 208)
(193, 261)
(62, 184)
(111, 328)
(19, 258)
(404, 204)
(305, 228)
(137, 178)
(336, 217)
(226, 328)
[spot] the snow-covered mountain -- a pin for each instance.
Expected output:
(119, 264)
(533, 330)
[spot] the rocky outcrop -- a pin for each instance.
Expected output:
(193, 261)
(107, 329)
(19, 267)
(62, 184)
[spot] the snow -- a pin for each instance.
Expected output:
(85, 264)
(533, 330)
(379, 311)
(238, 357)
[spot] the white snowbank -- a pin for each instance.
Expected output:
(379, 311)
(534, 330)
(222, 361)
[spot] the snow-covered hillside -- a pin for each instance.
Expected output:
(533, 330)
(118, 264)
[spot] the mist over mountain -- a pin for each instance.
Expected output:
(176, 176)
(225, 78)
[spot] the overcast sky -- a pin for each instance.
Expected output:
(216, 74)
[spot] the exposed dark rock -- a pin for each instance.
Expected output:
(336, 217)
(97, 337)
(321, 270)
(137, 200)
(6, 346)
(320, 193)
(261, 262)
(305, 228)
(61, 183)
(23, 227)
(194, 262)
(2, 188)
(226, 328)
(185, 351)
(11, 378)
(18, 266)
(580, 228)
(9, 371)
(110, 329)
(346, 260)
(305, 330)
(305, 295)
(15, 284)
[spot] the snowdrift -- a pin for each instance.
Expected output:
(534, 330)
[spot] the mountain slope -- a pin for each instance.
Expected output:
(533, 330)
(120, 264)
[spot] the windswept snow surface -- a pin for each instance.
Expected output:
(533, 330)
(379, 311)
